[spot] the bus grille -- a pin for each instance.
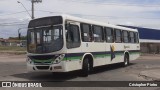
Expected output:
(42, 67)
(42, 63)
(42, 57)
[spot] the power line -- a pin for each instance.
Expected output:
(97, 16)
(142, 5)
(113, 17)
(6, 33)
(89, 3)
(13, 13)
(13, 25)
(25, 8)
(117, 4)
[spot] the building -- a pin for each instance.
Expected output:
(149, 39)
(2, 42)
(11, 42)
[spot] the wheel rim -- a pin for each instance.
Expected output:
(126, 61)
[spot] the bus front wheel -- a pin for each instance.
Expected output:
(126, 60)
(85, 67)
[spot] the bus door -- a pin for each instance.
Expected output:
(73, 42)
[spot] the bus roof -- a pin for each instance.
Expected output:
(78, 19)
(73, 18)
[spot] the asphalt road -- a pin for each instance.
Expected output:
(13, 68)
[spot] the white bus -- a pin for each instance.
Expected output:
(65, 43)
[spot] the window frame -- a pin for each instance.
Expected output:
(136, 37)
(130, 38)
(90, 32)
(79, 37)
(106, 34)
(125, 36)
(115, 35)
(102, 33)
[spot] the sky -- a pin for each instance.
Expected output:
(142, 13)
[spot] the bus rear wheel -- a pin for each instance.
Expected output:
(126, 60)
(85, 67)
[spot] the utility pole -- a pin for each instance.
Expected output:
(19, 34)
(32, 9)
(34, 1)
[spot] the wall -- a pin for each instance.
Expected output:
(150, 48)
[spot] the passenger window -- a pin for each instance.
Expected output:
(136, 37)
(131, 35)
(118, 36)
(109, 35)
(47, 36)
(125, 37)
(86, 33)
(98, 33)
(73, 36)
(32, 37)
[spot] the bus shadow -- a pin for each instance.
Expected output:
(48, 76)
(105, 68)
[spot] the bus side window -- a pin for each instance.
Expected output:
(118, 36)
(109, 35)
(136, 40)
(97, 33)
(131, 37)
(86, 32)
(125, 37)
(73, 36)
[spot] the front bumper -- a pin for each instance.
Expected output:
(60, 67)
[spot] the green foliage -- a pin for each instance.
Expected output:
(17, 38)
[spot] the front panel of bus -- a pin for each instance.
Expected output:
(45, 43)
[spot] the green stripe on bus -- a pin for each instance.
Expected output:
(98, 56)
(72, 58)
(108, 55)
(79, 57)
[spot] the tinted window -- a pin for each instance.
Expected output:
(109, 35)
(73, 36)
(131, 35)
(86, 32)
(45, 21)
(98, 33)
(118, 36)
(136, 38)
(125, 37)
(45, 40)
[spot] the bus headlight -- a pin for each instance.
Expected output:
(29, 61)
(59, 59)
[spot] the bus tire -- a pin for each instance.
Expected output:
(126, 60)
(85, 67)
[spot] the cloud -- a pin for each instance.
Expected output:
(118, 13)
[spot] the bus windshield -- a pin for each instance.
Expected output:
(45, 40)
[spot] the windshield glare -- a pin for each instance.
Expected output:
(45, 40)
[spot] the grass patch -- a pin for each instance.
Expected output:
(12, 48)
